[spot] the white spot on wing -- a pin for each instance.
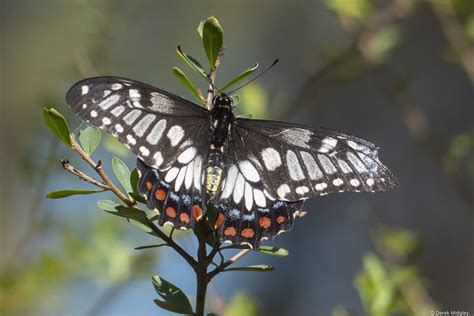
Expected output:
(131, 140)
(271, 158)
(144, 151)
(158, 158)
(119, 128)
(302, 190)
(248, 196)
(230, 181)
(337, 182)
(197, 172)
(283, 190)
(133, 93)
(259, 198)
(239, 188)
(171, 174)
(294, 167)
(189, 175)
(296, 136)
(358, 165)
(354, 182)
(157, 131)
(249, 171)
(175, 134)
(180, 179)
(108, 102)
(327, 164)
(370, 182)
(132, 116)
(116, 111)
(321, 186)
(187, 155)
(93, 113)
(106, 121)
(344, 166)
(84, 90)
(116, 86)
(313, 170)
(141, 127)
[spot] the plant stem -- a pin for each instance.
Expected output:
(201, 278)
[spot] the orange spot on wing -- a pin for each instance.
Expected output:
(197, 211)
(264, 222)
(160, 194)
(247, 232)
(149, 185)
(184, 218)
(230, 232)
(280, 219)
(219, 220)
(171, 212)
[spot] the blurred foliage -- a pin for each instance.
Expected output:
(240, 305)
(461, 153)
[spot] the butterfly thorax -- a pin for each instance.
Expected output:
(221, 125)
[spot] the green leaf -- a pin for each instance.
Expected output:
(137, 197)
(255, 268)
(192, 62)
(59, 194)
(275, 251)
(247, 72)
(122, 173)
(150, 246)
(200, 28)
(178, 73)
(135, 216)
(134, 178)
(212, 314)
(89, 139)
(242, 304)
(170, 307)
(58, 125)
(172, 295)
(212, 39)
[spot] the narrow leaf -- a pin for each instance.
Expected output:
(134, 178)
(247, 72)
(192, 62)
(178, 73)
(58, 194)
(212, 39)
(89, 139)
(170, 307)
(275, 251)
(137, 197)
(122, 173)
(58, 125)
(200, 27)
(150, 246)
(255, 268)
(135, 216)
(172, 295)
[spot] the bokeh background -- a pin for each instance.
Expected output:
(399, 73)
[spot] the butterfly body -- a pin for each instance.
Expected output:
(257, 173)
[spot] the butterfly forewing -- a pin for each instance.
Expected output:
(157, 126)
(296, 162)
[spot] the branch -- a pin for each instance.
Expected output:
(100, 171)
(71, 169)
(221, 267)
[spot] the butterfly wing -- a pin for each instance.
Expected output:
(156, 125)
(296, 162)
(272, 167)
(168, 134)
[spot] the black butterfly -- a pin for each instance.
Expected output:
(258, 173)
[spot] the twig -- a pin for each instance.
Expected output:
(71, 169)
(221, 267)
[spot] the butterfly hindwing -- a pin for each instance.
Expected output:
(157, 126)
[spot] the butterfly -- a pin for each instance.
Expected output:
(258, 173)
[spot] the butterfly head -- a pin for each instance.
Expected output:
(222, 101)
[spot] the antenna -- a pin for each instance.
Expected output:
(198, 71)
(259, 75)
